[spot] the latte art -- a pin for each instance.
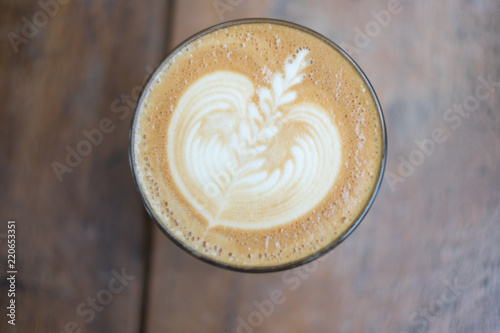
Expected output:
(260, 165)
(257, 145)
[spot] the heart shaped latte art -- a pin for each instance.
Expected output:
(252, 166)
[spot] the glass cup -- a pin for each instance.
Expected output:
(257, 269)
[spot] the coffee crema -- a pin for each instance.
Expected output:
(257, 144)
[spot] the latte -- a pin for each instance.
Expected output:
(257, 145)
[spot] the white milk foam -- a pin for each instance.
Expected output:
(260, 165)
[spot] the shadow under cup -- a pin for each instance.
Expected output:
(226, 265)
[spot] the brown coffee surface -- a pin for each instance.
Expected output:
(257, 145)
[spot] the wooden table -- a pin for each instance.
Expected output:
(88, 259)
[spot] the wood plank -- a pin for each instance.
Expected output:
(75, 235)
(426, 258)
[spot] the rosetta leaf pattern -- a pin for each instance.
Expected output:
(262, 122)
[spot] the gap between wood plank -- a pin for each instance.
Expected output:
(148, 238)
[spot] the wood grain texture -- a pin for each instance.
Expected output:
(63, 79)
(426, 259)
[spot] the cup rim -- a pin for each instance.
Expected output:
(256, 269)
